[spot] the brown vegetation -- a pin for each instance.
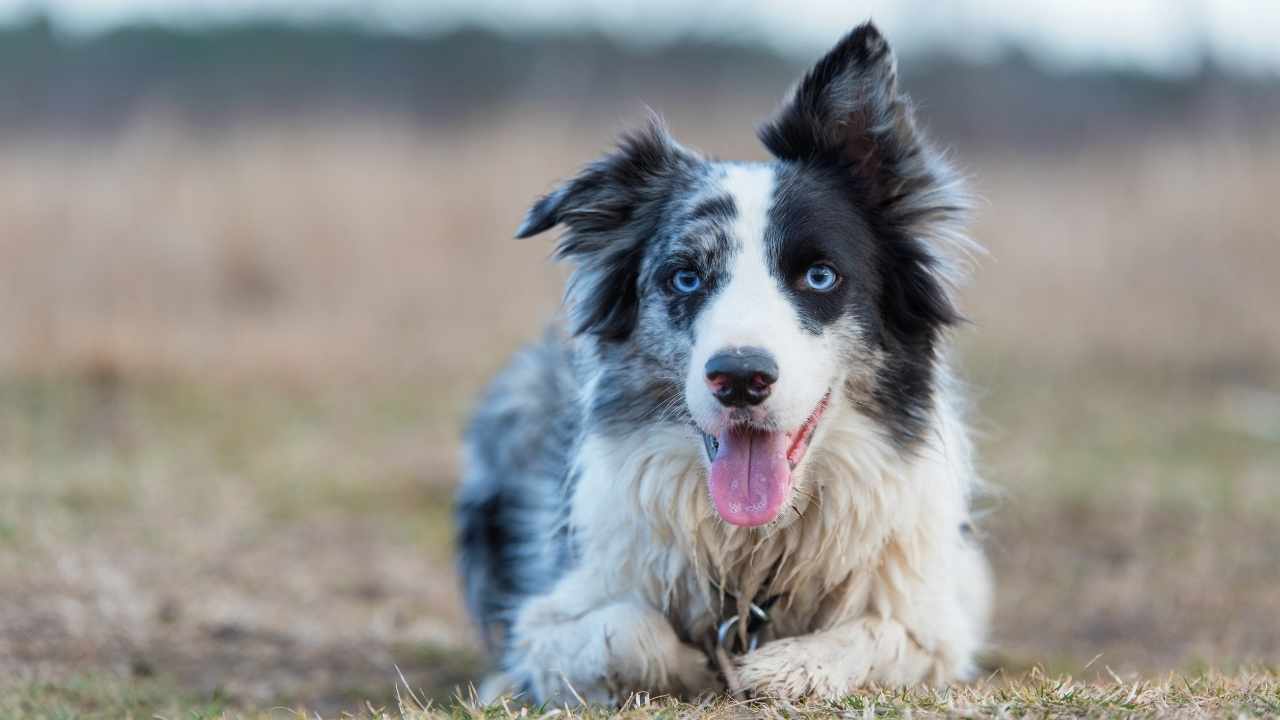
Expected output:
(232, 369)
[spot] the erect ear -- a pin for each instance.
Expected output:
(847, 113)
(844, 107)
(610, 210)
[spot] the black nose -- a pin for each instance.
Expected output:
(741, 376)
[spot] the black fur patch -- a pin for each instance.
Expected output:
(813, 221)
(719, 208)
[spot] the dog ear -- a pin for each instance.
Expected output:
(610, 210)
(847, 113)
(844, 108)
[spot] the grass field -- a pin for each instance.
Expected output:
(1245, 695)
(233, 369)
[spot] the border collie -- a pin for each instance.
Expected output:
(747, 412)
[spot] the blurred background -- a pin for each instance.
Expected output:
(256, 260)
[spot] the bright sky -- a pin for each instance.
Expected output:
(1161, 35)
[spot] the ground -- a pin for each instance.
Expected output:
(233, 373)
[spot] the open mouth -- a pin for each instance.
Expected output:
(751, 469)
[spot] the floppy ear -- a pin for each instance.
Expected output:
(847, 113)
(611, 209)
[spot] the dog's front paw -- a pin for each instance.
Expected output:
(800, 668)
(603, 655)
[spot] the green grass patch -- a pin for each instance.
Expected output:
(90, 698)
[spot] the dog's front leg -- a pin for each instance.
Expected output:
(568, 647)
(832, 663)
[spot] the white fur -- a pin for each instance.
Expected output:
(752, 311)
(880, 584)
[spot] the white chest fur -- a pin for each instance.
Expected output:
(863, 515)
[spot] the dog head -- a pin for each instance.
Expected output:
(748, 301)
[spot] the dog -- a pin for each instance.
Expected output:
(739, 460)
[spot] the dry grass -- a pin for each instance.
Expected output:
(1034, 695)
(346, 243)
(232, 370)
(1245, 695)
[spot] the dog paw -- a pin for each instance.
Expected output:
(690, 673)
(680, 670)
(604, 655)
(798, 669)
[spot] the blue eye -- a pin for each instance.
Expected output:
(821, 278)
(686, 281)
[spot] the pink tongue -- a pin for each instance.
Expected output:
(750, 477)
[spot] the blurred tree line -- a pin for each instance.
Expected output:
(213, 76)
